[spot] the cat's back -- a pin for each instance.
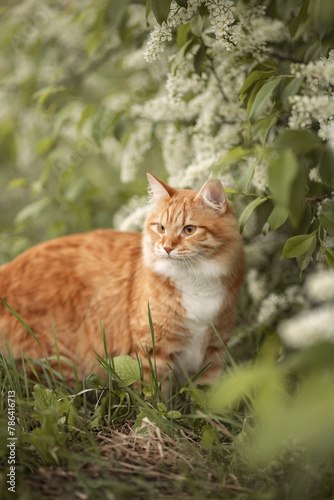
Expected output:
(99, 249)
(67, 269)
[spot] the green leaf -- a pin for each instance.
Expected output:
(313, 52)
(182, 3)
(43, 94)
(94, 381)
(282, 172)
(61, 117)
(182, 35)
(102, 122)
(253, 78)
(298, 245)
(232, 156)
(300, 141)
(174, 414)
(127, 369)
(301, 19)
(291, 89)
(277, 217)
(148, 11)
(198, 395)
(322, 13)
(197, 23)
(44, 399)
(44, 145)
(160, 9)
(305, 259)
(326, 218)
(262, 98)
(180, 55)
(19, 182)
(326, 166)
(249, 210)
(86, 114)
(162, 407)
(32, 210)
(261, 128)
(246, 178)
(117, 11)
(209, 437)
(329, 256)
(199, 58)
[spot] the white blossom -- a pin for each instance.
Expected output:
(260, 178)
(316, 101)
(257, 285)
(131, 217)
(309, 327)
(156, 44)
(221, 17)
(254, 31)
(176, 147)
(271, 306)
(314, 175)
(320, 286)
(183, 82)
(228, 180)
(181, 15)
(138, 144)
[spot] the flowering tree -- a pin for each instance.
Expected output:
(95, 94)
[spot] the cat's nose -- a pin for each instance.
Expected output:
(168, 249)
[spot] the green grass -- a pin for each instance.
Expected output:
(264, 431)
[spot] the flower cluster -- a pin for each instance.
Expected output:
(257, 285)
(156, 44)
(131, 217)
(260, 178)
(221, 17)
(183, 83)
(139, 143)
(271, 306)
(320, 286)
(316, 102)
(182, 15)
(309, 327)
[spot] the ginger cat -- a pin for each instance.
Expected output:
(188, 264)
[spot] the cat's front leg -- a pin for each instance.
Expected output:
(215, 356)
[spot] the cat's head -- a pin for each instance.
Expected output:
(195, 230)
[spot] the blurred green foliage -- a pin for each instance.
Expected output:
(59, 135)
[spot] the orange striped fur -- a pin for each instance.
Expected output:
(188, 264)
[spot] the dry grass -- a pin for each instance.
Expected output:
(139, 464)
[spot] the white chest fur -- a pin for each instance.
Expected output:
(202, 302)
(202, 294)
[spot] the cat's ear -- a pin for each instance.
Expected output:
(212, 193)
(159, 189)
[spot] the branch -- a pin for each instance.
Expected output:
(215, 74)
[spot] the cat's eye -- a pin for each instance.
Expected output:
(188, 230)
(160, 228)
